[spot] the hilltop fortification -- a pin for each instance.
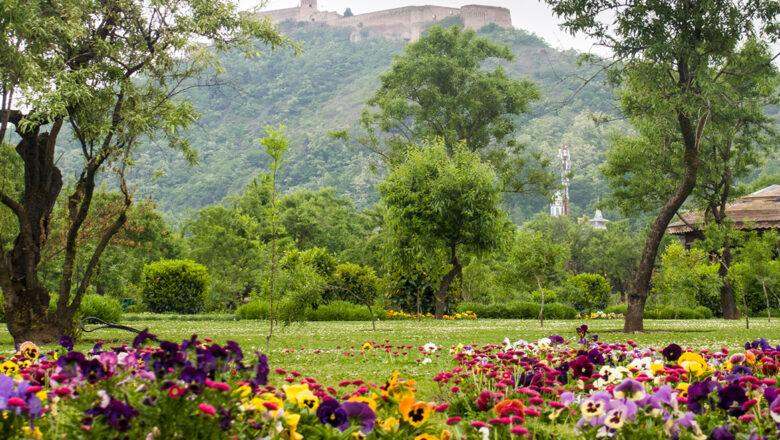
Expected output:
(405, 23)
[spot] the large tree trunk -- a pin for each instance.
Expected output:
(26, 301)
(441, 294)
(638, 294)
(727, 302)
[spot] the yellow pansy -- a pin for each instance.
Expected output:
(243, 391)
(694, 363)
(8, 368)
(367, 347)
(683, 387)
(370, 401)
(29, 350)
(291, 392)
(307, 399)
(389, 424)
(413, 412)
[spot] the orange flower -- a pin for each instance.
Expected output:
(510, 406)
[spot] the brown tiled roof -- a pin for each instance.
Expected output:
(761, 208)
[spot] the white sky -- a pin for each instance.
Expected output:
(530, 15)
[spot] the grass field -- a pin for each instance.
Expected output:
(331, 351)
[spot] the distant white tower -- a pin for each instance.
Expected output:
(598, 222)
(560, 205)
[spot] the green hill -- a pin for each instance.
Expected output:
(324, 89)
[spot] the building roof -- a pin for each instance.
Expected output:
(761, 208)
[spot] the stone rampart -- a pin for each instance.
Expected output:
(406, 23)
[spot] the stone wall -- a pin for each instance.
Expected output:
(406, 23)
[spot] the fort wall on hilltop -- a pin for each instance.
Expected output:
(406, 23)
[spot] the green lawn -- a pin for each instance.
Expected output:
(317, 349)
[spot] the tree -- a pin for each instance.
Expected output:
(438, 204)
(440, 88)
(757, 256)
(110, 71)
(536, 256)
(275, 146)
(672, 60)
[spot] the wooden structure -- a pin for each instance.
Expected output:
(756, 211)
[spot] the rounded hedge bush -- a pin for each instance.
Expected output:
(177, 286)
(254, 310)
(102, 307)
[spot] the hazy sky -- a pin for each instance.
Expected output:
(530, 15)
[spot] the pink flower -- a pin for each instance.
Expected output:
(207, 409)
(454, 420)
(520, 430)
(62, 391)
(15, 401)
(478, 424)
(442, 407)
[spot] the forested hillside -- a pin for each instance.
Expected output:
(323, 89)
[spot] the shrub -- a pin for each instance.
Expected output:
(339, 311)
(558, 311)
(670, 312)
(618, 308)
(101, 307)
(254, 310)
(518, 310)
(177, 286)
(703, 312)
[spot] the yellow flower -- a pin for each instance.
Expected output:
(306, 399)
(243, 391)
(29, 433)
(29, 350)
(8, 368)
(291, 392)
(415, 413)
(256, 404)
(683, 387)
(367, 347)
(694, 363)
(389, 424)
(370, 401)
(426, 437)
(291, 424)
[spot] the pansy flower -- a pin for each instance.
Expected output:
(592, 408)
(413, 412)
(29, 350)
(629, 389)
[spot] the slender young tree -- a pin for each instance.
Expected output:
(275, 146)
(673, 58)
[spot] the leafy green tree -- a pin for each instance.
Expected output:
(356, 283)
(687, 278)
(438, 203)
(177, 286)
(675, 58)
(440, 88)
(758, 258)
(588, 291)
(111, 72)
(222, 239)
(535, 256)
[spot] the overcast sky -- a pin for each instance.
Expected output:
(530, 15)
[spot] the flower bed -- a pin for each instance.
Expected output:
(553, 387)
(600, 315)
(400, 314)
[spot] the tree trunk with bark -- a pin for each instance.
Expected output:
(441, 294)
(28, 317)
(727, 302)
(638, 294)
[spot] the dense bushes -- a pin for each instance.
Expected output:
(587, 292)
(254, 310)
(518, 310)
(102, 307)
(333, 311)
(339, 311)
(177, 286)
